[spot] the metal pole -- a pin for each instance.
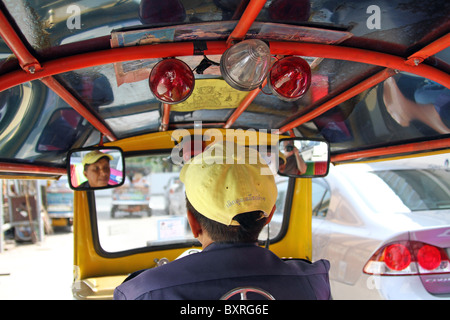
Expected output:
(39, 210)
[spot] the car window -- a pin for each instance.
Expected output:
(320, 198)
(419, 189)
(149, 210)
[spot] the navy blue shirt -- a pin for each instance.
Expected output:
(219, 268)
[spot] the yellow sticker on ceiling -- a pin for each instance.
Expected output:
(211, 94)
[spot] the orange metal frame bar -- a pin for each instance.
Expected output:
(360, 87)
(165, 117)
(431, 49)
(239, 32)
(27, 168)
(53, 84)
(31, 65)
(218, 47)
(393, 150)
(359, 55)
(245, 22)
(180, 49)
(26, 60)
(243, 105)
(93, 59)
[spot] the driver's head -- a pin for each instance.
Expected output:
(226, 187)
(96, 168)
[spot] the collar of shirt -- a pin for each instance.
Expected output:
(227, 245)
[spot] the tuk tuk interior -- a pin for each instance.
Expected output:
(76, 75)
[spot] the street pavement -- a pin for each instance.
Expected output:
(41, 271)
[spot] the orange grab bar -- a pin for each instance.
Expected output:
(27, 168)
(218, 47)
(53, 84)
(393, 150)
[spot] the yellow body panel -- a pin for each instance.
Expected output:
(96, 276)
(297, 242)
(166, 140)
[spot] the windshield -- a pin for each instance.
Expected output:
(419, 189)
(149, 210)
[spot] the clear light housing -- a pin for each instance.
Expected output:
(171, 81)
(245, 65)
(290, 78)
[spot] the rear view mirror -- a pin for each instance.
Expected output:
(95, 168)
(303, 158)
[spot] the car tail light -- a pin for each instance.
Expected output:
(429, 257)
(397, 257)
(408, 258)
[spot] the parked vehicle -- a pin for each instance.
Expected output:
(159, 200)
(385, 228)
(132, 197)
(175, 196)
(21, 207)
(60, 203)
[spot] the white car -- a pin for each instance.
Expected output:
(385, 228)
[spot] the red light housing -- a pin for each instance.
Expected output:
(397, 257)
(171, 81)
(429, 257)
(290, 78)
(408, 258)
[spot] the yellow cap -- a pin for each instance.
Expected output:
(226, 180)
(93, 157)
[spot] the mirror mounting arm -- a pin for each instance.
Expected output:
(102, 136)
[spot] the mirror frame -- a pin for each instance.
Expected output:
(304, 175)
(69, 157)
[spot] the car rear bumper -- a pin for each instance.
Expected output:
(372, 287)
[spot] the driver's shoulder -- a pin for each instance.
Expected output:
(143, 281)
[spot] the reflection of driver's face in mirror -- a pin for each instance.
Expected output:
(96, 169)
